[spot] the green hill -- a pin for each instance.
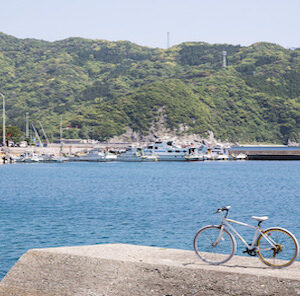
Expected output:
(101, 88)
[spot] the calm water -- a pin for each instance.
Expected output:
(156, 204)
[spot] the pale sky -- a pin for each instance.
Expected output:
(146, 22)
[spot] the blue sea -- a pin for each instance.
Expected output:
(156, 204)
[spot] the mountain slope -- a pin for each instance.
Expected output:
(102, 89)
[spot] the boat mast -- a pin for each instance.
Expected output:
(37, 135)
(47, 140)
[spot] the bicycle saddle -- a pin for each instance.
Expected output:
(260, 219)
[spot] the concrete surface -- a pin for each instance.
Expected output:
(128, 270)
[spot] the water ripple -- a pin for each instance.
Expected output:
(156, 204)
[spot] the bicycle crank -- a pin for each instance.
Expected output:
(251, 252)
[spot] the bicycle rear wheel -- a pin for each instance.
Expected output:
(285, 251)
(209, 249)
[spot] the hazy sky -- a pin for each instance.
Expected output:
(147, 22)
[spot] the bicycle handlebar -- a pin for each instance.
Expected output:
(219, 210)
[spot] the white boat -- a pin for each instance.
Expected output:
(29, 157)
(194, 154)
(92, 155)
(59, 158)
(240, 156)
(166, 151)
(107, 156)
(48, 158)
(135, 154)
(217, 153)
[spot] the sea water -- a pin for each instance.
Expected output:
(155, 204)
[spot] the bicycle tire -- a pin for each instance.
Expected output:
(287, 247)
(206, 251)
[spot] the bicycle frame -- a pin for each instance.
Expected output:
(258, 230)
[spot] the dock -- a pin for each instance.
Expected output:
(130, 270)
(269, 154)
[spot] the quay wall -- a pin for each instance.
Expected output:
(70, 148)
(269, 154)
(128, 270)
(66, 148)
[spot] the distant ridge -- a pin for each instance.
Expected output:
(103, 89)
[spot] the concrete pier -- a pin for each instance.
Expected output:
(128, 270)
(269, 154)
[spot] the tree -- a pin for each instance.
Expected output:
(13, 133)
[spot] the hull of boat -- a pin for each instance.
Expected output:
(194, 159)
(170, 158)
(132, 159)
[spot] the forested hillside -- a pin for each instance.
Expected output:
(103, 89)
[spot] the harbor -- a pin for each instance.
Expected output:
(165, 150)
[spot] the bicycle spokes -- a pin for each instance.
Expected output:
(277, 247)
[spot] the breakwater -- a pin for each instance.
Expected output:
(123, 270)
(268, 153)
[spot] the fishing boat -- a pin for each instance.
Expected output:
(240, 156)
(135, 154)
(107, 156)
(92, 155)
(217, 152)
(194, 154)
(59, 158)
(29, 157)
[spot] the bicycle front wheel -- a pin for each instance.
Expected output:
(214, 247)
(283, 251)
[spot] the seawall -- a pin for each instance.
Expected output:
(128, 270)
(269, 154)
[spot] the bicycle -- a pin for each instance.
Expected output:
(275, 246)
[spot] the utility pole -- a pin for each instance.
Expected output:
(61, 134)
(27, 126)
(168, 40)
(60, 129)
(4, 127)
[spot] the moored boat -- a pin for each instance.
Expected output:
(217, 152)
(135, 154)
(29, 157)
(166, 151)
(107, 156)
(240, 156)
(92, 155)
(194, 155)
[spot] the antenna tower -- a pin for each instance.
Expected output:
(224, 54)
